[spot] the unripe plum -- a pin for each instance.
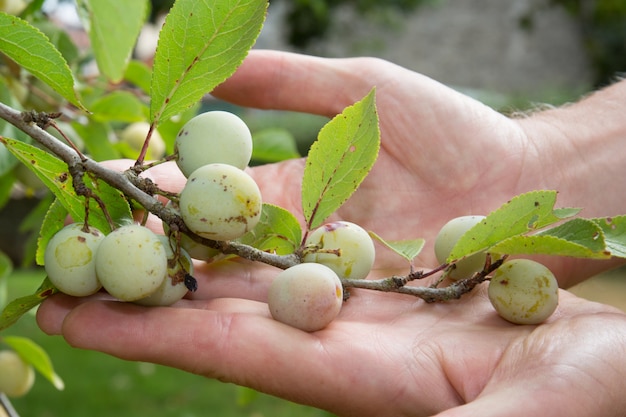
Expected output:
(344, 247)
(306, 296)
(447, 237)
(135, 135)
(524, 291)
(131, 262)
(173, 287)
(213, 137)
(195, 249)
(16, 376)
(70, 260)
(220, 202)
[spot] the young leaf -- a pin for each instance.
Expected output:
(20, 306)
(34, 354)
(200, 45)
(408, 249)
(339, 160)
(614, 229)
(522, 214)
(278, 231)
(113, 28)
(32, 50)
(53, 172)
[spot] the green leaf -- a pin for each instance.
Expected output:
(200, 45)
(614, 229)
(408, 249)
(139, 74)
(273, 145)
(32, 50)
(278, 231)
(113, 28)
(34, 354)
(6, 267)
(52, 223)
(53, 172)
(339, 160)
(95, 136)
(121, 106)
(522, 214)
(20, 306)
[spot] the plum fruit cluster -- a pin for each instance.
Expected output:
(522, 291)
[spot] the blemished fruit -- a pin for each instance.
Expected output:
(70, 260)
(306, 296)
(344, 247)
(16, 376)
(524, 291)
(195, 249)
(220, 202)
(173, 286)
(135, 134)
(448, 236)
(213, 137)
(131, 262)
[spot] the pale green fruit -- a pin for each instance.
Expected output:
(306, 296)
(195, 249)
(220, 202)
(213, 137)
(135, 135)
(524, 291)
(16, 376)
(173, 287)
(13, 7)
(70, 260)
(355, 252)
(131, 262)
(448, 236)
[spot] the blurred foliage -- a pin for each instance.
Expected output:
(603, 29)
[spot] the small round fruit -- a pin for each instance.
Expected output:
(135, 135)
(220, 202)
(306, 296)
(354, 249)
(131, 262)
(195, 249)
(70, 260)
(213, 137)
(524, 291)
(173, 287)
(16, 376)
(448, 236)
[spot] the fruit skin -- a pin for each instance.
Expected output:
(135, 134)
(131, 262)
(524, 291)
(16, 376)
(220, 202)
(356, 249)
(168, 292)
(213, 137)
(70, 260)
(447, 238)
(306, 296)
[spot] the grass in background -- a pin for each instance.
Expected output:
(98, 385)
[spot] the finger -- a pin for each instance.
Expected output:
(287, 81)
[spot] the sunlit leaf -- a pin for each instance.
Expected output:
(20, 306)
(34, 354)
(31, 49)
(200, 45)
(340, 159)
(53, 172)
(113, 28)
(278, 231)
(522, 214)
(408, 249)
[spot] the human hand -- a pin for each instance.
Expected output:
(442, 155)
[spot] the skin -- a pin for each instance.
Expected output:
(443, 155)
